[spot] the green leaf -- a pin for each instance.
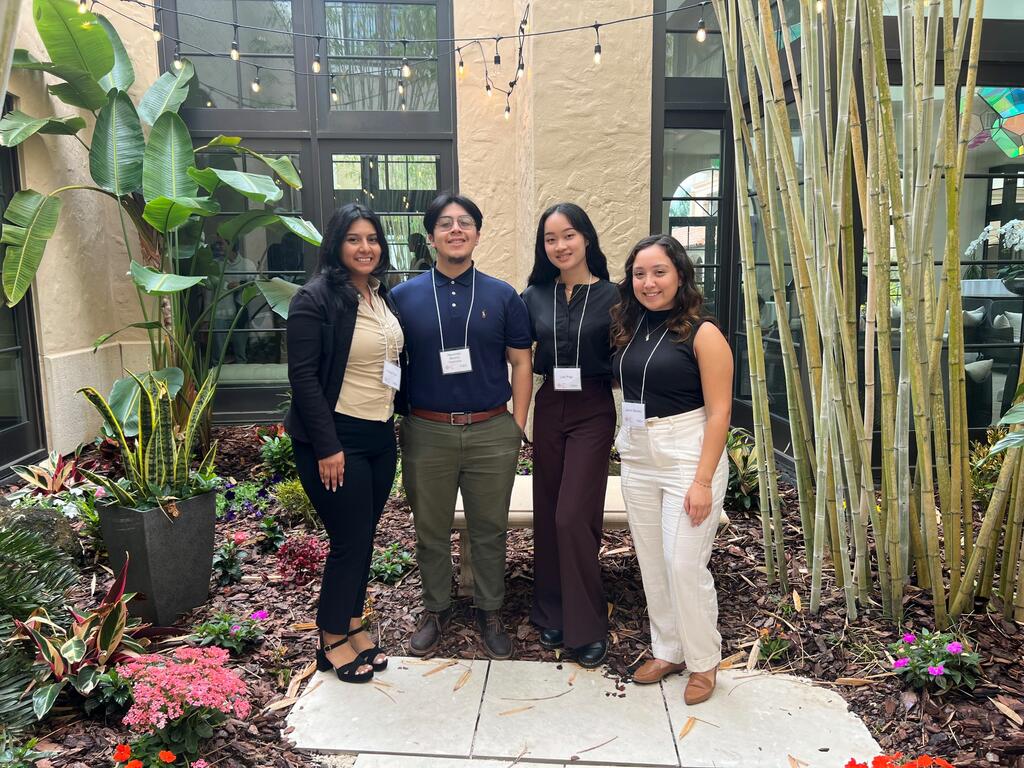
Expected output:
(167, 93)
(124, 397)
(207, 179)
(79, 88)
(73, 39)
(111, 631)
(192, 426)
(122, 497)
(1014, 416)
(122, 74)
(115, 160)
(156, 283)
(43, 698)
(86, 680)
(16, 126)
(303, 229)
(282, 166)
(73, 650)
(237, 226)
(168, 213)
(33, 219)
(151, 325)
(25, 60)
(255, 186)
(1012, 440)
(224, 141)
(168, 157)
(278, 294)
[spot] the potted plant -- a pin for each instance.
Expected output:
(161, 513)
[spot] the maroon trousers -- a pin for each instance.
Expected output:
(572, 437)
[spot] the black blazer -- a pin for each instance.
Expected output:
(321, 320)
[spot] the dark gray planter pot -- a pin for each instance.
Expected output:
(171, 560)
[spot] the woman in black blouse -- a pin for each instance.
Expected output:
(569, 299)
(675, 370)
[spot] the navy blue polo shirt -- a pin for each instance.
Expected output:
(499, 320)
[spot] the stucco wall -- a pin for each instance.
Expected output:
(81, 290)
(579, 131)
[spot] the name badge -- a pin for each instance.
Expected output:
(634, 415)
(455, 361)
(392, 375)
(568, 379)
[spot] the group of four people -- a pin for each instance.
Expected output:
(438, 349)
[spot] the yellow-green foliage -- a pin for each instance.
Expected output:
(295, 504)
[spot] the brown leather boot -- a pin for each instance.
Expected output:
(654, 670)
(428, 632)
(700, 686)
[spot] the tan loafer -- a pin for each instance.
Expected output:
(700, 686)
(653, 671)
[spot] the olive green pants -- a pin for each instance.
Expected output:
(438, 461)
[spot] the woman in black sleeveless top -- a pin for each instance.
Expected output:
(675, 369)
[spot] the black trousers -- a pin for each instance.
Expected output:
(350, 514)
(572, 437)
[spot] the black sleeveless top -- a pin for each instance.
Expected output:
(673, 376)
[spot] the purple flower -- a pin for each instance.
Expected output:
(900, 663)
(955, 648)
(229, 495)
(909, 638)
(938, 671)
(259, 615)
(262, 493)
(235, 628)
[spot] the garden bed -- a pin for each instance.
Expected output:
(965, 729)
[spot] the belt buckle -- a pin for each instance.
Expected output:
(452, 416)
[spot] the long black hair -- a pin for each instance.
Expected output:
(688, 305)
(546, 272)
(330, 265)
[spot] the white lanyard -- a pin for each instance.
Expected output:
(643, 381)
(568, 314)
(437, 306)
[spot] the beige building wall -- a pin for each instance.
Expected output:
(81, 290)
(579, 131)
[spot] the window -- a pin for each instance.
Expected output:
(994, 9)
(685, 54)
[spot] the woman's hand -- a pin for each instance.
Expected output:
(697, 503)
(332, 471)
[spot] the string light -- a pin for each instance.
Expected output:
(702, 30)
(522, 68)
(334, 91)
(234, 45)
(820, 6)
(406, 69)
(490, 91)
(508, 108)
(156, 32)
(82, 6)
(178, 63)
(256, 82)
(462, 65)
(597, 45)
(209, 103)
(402, 105)
(315, 66)
(401, 87)
(497, 55)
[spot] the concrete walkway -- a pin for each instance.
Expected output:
(441, 713)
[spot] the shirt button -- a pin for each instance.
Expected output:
(453, 303)
(453, 282)
(453, 293)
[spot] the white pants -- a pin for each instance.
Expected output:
(658, 466)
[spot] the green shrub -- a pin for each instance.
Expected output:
(273, 534)
(295, 504)
(227, 560)
(230, 632)
(390, 564)
(278, 455)
(111, 697)
(935, 659)
(244, 499)
(742, 494)
(20, 755)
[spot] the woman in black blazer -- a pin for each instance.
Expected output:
(344, 343)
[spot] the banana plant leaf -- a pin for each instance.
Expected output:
(206, 178)
(167, 93)
(282, 166)
(167, 158)
(115, 160)
(302, 228)
(16, 126)
(124, 397)
(238, 226)
(166, 214)
(22, 59)
(122, 74)
(149, 325)
(156, 283)
(79, 88)
(33, 219)
(73, 39)
(256, 186)
(224, 141)
(278, 294)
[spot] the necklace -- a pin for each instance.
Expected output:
(649, 330)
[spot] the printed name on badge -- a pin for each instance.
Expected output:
(456, 361)
(568, 379)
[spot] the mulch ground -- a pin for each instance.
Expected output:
(968, 730)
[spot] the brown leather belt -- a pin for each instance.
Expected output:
(460, 418)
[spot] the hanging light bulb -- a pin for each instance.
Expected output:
(334, 91)
(315, 66)
(156, 32)
(462, 65)
(522, 69)
(820, 6)
(702, 31)
(508, 110)
(402, 105)
(490, 91)
(234, 45)
(209, 103)
(401, 87)
(497, 54)
(178, 63)
(597, 45)
(255, 85)
(82, 6)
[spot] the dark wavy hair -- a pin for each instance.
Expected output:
(546, 272)
(442, 201)
(330, 265)
(689, 301)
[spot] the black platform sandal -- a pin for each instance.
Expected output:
(346, 673)
(370, 654)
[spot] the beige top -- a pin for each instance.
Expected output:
(377, 334)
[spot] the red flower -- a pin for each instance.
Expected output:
(854, 764)
(122, 752)
(167, 757)
(134, 764)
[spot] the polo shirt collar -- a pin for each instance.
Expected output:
(466, 278)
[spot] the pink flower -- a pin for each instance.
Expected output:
(900, 663)
(259, 615)
(909, 638)
(955, 648)
(238, 538)
(235, 628)
(938, 671)
(200, 764)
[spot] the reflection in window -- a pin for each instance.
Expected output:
(685, 55)
(223, 83)
(399, 188)
(366, 67)
(994, 9)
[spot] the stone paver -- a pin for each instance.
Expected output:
(408, 761)
(530, 709)
(387, 715)
(761, 719)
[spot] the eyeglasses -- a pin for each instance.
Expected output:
(446, 223)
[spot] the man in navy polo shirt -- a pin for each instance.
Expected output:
(462, 330)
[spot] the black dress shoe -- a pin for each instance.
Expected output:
(497, 642)
(591, 655)
(551, 638)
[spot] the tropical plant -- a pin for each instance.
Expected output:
(390, 564)
(112, 696)
(233, 633)
(227, 560)
(154, 181)
(51, 477)
(301, 559)
(278, 455)
(295, 504)
(742, 492)
(273, 534)
(78, 655)
(158, 464)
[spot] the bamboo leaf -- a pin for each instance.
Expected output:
(122, 74)
(16, 126)
(73, 39)
(167, 159)
(1012, 440)
(167, 93)
(115, 159)
(33, 219)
